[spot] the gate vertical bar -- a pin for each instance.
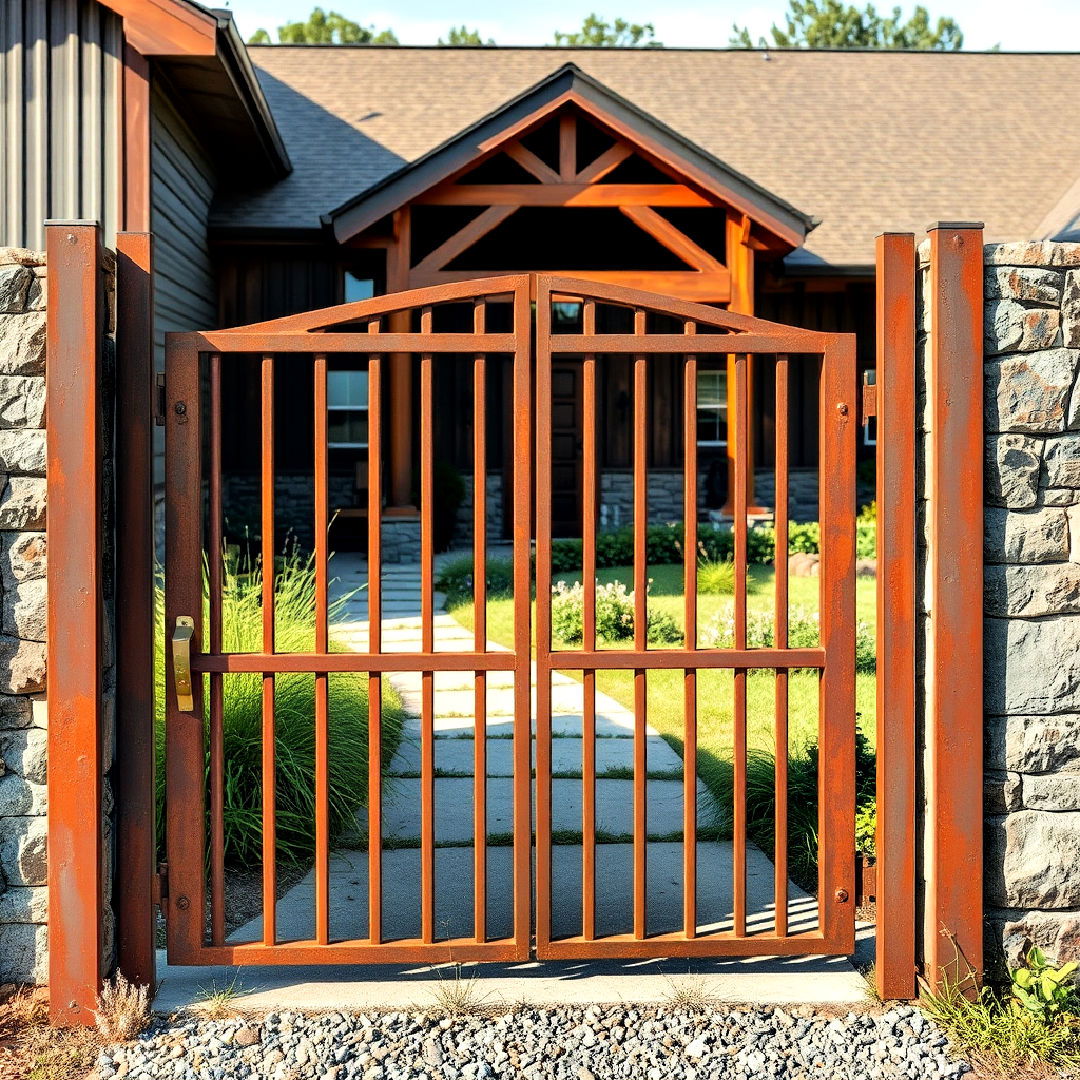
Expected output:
(375, 752)
(134, 772)
(690, 617)
(954, 721)
(427, 635)
(738, 837)
(480, 629)
(641, 629)
(894, 969)
(780, 565)
(269, 755)
(836, 710)
(322, 644)
(589, 478)
(215, 555)
(74, 328)
(185, 759)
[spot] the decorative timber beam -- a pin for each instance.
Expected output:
(167, 27)
(676, 241)
(563, 194)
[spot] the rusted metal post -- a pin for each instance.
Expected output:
(894, 968)
(134, 768)
(953, 946)
(74, 327)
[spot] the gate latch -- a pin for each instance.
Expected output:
(181, 651)
(869, 398)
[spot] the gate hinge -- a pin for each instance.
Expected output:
(159, 398)
(869, 398)
(161, 885)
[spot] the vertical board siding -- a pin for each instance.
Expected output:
(60, 82)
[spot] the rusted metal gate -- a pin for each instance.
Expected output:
(393, 330)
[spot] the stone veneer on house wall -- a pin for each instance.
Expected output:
(23, 934)
(1032, 589)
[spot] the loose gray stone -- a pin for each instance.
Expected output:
(1034, 537)
(1032, 860)
(24, 610)
(1032, 667)
(1058, 792)
(22, 344)
(1009, 326)
(23, 753)
(1029, 592)
(22, 401)
(14, 283)
(1062, 460)
(1033, 744)
(1024, 283)
(1029, 392)
(22, 666)
(22, 505)
(1012, 470)
(22, 452)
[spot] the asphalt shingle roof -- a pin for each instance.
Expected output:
(866, 141)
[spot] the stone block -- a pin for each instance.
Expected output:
(22, 344)
(23, 845)
(1056, 933)
(24, 753)
(1012, 470)
(20, 256)
(37, 293)
(22, 451)
(1062, 460)
(1030, 592)
(22, 666)
(1034, 537)
(1032, 667)
(22, 505)
(1058, 496)
(1032, 858)
(1032, 253)
(1059, 792)
(1033, 744)
(22, 557)
(16, 712)
(23, 905)
(14, 284)
(19, 797)
(1010, 327)
(1002, 793)
(24, 953)
(24, 610)
(1031, 285)
(1029, 392)
(22, 401)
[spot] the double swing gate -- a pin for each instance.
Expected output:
(589, 894)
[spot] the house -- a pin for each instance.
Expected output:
(282, 179)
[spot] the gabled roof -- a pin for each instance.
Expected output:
(569, 83)
(865, 140)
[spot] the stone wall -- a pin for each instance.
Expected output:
(1032, 585)
(23, 933)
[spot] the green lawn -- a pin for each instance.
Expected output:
(715, 688)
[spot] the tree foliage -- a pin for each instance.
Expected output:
(326, 28)
(831, 24)
(462, 35)
(618, 34)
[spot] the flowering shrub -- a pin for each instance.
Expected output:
(614, 615)
(804, 632)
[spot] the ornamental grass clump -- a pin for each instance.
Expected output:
(294, 716)
(614, 615)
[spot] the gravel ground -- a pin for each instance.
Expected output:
(593, 1043)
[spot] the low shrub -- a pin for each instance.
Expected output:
(614, 615)
(294, 711)
(457, 579)
(716, 577)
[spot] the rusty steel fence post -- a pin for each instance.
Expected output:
(953, 945)
(74, 328)
(134, 767)
(894, 968)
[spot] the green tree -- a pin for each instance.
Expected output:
(462, 35)
(325, 28)
(617, 34)
(831, 24)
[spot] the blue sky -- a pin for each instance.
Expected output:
(1032, 25)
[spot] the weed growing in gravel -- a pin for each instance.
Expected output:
(123, 1010)
(294, 714)
(689, 995)
(459, 996)
(218, 1003)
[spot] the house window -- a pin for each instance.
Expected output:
(712, 408)
(358, 287)
(347, 404)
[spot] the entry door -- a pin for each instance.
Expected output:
(566, 446)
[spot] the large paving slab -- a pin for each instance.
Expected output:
(614, 807)
(456, 756)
